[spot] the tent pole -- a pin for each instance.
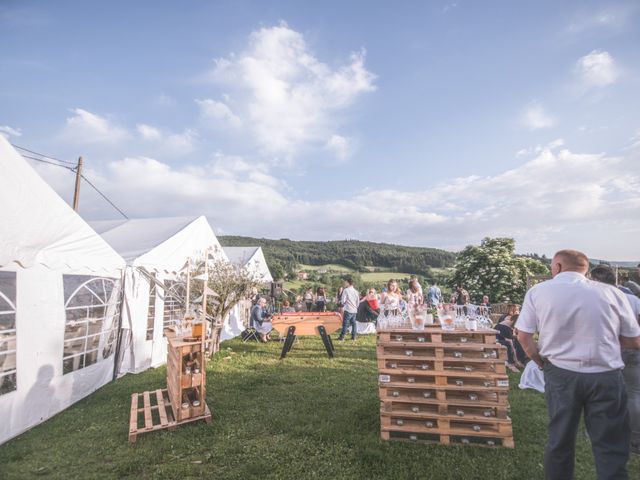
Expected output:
(119, 339)
(204, 303)
(188, 285)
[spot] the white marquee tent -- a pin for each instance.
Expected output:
(59, 298)
(252, 259)
(156, 251)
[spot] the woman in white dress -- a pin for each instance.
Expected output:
(392, 297)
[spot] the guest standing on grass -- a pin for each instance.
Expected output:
(350, 300)
(630, 357)
(321, 300)
(414, 293)
(581, 328)
(308, 299)
(434, 296)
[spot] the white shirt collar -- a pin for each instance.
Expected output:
(570, 276)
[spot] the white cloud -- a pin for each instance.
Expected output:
(287, 98)
(556, 199)
(175, 143)
(7, 131)
(612, 18)
(597, 69)
(534, 117)
(147, 132)
(89, 128)
(340, 146)
(218, 113)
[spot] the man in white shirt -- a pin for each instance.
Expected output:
(581, 327)
(350, 300)
(630, 357)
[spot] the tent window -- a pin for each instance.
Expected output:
(174, 295)
(92, 310)
(8, 380)
(151, 314)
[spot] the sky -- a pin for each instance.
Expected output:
(427, 123)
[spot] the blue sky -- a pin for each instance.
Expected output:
(422, 123)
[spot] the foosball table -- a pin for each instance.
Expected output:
(306, 323)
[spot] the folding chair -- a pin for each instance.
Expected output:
(250, 334)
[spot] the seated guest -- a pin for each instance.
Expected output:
(260, 320)
(369, 307)
(286, 307)
(512, 309)
(298, 306)
(515, 353)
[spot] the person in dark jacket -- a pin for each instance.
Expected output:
(369, 307)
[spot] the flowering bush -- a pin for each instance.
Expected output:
(493, 269)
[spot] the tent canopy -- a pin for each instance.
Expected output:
(251, 258)
(39, 228)
(160, 244)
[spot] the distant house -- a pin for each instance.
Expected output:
(322, 271)
(303, 275)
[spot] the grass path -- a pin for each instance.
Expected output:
(304, 417)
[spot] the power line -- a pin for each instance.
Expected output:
(43, 155)
(46, 161)
(104, 196)
(73, 170)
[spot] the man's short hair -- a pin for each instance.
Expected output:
(573, 260)
(349, 280)
(604, 274)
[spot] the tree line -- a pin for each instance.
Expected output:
(287, 254)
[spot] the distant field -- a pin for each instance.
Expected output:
(379, 277)
(331, 267)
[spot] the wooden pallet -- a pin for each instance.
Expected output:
(431, 438)
(437, 335)
(156, 413)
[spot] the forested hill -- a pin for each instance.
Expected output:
(350, 253)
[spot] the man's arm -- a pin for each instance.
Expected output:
(632, 343)
(530, 347)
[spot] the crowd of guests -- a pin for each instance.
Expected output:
(580, 328)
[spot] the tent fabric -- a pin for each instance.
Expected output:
(42, 243)
(532, 377)
(160, 244)
(252, 259)
(39, 228)
(156, 250)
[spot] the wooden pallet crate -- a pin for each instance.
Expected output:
(431, 438)
(447, 387)
(410, 408)
(437, 335)
(424, 377)
(184, 388)
(152, 411)
(443, 424)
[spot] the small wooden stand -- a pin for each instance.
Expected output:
(443, 386)
(173, 406)
(310, 323)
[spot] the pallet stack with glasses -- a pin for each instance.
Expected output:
(183, 400)
(443, 386)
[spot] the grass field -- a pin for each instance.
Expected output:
(304, 417)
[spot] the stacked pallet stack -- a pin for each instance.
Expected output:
(186, 377)
(443, 386)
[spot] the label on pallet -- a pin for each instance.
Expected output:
(384, 378)
(502, 383)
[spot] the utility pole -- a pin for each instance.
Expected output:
(76, 193)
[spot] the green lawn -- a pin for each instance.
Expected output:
(304, 417)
